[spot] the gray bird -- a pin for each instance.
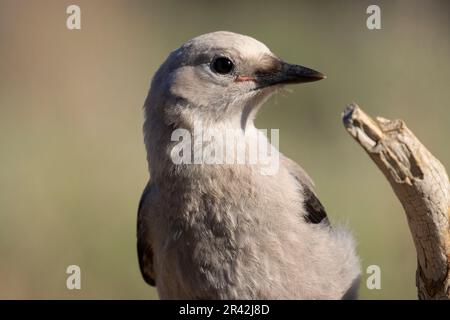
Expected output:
(227, 231)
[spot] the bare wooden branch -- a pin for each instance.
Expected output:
(421, 184)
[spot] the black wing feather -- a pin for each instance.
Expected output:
(315, 211)
(145, 254)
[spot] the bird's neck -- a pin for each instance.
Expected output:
(208, 149)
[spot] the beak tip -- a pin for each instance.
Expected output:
(321, 76)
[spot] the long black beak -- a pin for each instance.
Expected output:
(286, 73)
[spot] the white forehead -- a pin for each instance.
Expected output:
(246, 45)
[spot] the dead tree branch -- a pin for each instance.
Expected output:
(421, 184)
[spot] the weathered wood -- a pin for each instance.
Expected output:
(421, 184)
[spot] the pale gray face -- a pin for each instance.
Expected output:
(222, 74)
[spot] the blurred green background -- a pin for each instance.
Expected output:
(72, 156)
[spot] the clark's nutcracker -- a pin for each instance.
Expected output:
(227, 231)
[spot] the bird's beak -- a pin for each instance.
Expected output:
(286, 73)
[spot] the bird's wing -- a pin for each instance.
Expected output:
(144, 247)
(315, 212)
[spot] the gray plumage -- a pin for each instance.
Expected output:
(224, 231)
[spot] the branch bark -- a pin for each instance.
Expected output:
(421, 184)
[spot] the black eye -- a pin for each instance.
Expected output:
(222, 65)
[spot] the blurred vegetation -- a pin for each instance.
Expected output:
(72, 157)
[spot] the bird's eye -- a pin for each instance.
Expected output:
(222, 65)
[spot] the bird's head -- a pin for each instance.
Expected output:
(221, 77)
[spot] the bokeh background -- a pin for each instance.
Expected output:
(72, 160)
